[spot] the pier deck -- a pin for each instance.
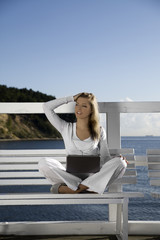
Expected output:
(91, 237)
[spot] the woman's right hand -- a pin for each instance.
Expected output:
(76, 96)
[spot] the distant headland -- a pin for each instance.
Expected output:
(25, 126)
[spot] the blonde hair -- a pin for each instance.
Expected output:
(94, 125)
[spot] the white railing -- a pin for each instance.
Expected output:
(112, 111)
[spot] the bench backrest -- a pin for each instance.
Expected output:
(153, 156)
(20, 167)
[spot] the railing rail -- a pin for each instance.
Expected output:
(111, 109)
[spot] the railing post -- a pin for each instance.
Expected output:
(114, 141)
(113, 129)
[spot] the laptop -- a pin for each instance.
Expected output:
(82, 166)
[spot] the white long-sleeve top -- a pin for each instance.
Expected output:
(73, 145)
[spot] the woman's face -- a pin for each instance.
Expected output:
(82, 108)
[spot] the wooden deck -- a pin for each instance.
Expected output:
(103, 237)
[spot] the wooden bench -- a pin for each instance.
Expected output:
(153, 157)
(19, 167)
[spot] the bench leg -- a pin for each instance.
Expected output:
(122, 217)
(125, 219)
(119, 218)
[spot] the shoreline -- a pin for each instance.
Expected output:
(31, 139)
(60, 139)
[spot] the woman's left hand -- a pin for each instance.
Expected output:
(124, 158)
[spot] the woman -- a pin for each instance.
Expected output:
(84, 137)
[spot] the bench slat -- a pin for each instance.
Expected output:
(155, 182)
(18, 182)
(154, 166)
(59, 201)
(154, 174)
(5, 160)
(53, 152)
(153, 151)
(20, 174)
(33, 152)
(154, 158)
(49, 195)
(52, 199)
(34, 167)
(121, 151)
(34, 174)
(34, 159)
(18, 167)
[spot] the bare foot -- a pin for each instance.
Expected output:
(82, 187)
(67, 190)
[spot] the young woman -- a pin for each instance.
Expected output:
(84, 137)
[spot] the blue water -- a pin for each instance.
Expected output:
(140, 144)
(146, 208)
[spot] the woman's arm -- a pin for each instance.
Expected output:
(54, 119)
(104, 150)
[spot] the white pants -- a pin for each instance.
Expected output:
(54, 172)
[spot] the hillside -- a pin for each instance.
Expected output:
(29, 126)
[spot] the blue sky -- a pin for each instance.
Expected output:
(62, 47)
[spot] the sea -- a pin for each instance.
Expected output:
(140, 209)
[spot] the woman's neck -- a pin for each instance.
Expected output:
(82, 130)
(82, 124)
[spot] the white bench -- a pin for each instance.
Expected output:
(14, 162)
(153, 156)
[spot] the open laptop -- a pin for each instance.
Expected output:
(83, 166)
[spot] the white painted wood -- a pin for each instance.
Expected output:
(104, 107)
(116, 151)
(55, 152)
(119, 219)
(34, 152)
(130, 172)
(13, 182)
(130, 107)
(125, 219)
(32, 108)
(155, 195)
(57, 228)
(23, 202)
(31, 159)
(32, 174)
(154, 182)
(19, 167)
(145, 228)
(32, 166)
(107, 195)
(153, 152)
(154, 166)
(126, 180)
(113, 130)
(35, 174)
(112, 110)
(30, 199)
(153, 156)
(154, 174)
